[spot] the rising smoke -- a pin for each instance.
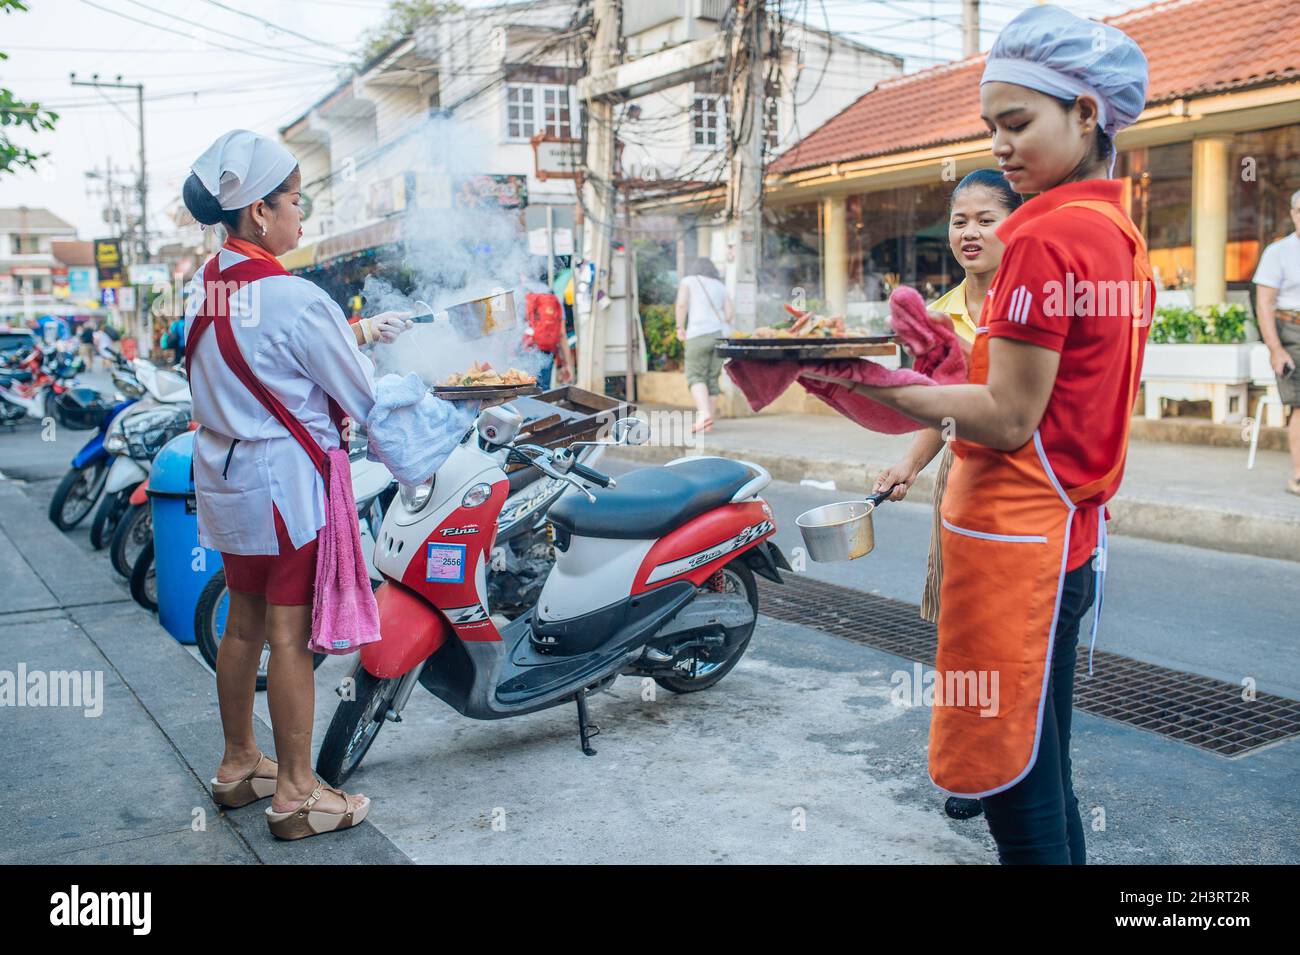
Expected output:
(455, 250)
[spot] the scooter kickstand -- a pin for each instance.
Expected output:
(586, 729)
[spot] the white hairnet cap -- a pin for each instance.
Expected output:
(242, 166)
(1055, 52)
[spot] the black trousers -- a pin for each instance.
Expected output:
(1036, 821)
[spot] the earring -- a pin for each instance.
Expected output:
(263, 229)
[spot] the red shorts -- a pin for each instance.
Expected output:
(288, 577)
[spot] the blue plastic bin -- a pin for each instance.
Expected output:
(183, 568)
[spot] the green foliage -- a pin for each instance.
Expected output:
(403, 17)
(20, 114)
(663, 351)
(1204, 325)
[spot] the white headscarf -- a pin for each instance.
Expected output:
(242, 167)
(1055, 52)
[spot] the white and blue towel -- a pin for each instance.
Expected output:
(411, 432)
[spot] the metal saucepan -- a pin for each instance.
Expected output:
(841, 531)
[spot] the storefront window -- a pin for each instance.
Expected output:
(1263, 173)
(898, 237)
(1159, 184)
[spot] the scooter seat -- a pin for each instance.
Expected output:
(649, 502)
(9, 376)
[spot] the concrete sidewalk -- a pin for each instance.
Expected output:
(1178, 493)
(122, 775)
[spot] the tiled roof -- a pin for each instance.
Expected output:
(1194, 47)
(24, 217)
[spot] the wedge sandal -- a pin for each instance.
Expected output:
(305, 821)
(250, 788)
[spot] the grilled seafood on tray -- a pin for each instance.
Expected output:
(482, 374)
(805, 325)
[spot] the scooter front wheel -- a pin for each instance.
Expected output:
(77, 494)
(696, 672)
(356, 723)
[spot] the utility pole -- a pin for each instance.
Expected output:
(598, 199)
(746, 124)
(142, 187)
(970, 27)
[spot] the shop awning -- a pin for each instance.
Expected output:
(321, 252)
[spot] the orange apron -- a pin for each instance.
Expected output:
(1005, 541)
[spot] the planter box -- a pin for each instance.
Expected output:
(1203, 363)
(1220, 374)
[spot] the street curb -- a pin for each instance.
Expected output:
(1231, 531)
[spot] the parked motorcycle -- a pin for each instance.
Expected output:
(133, 439)
(32, 382)
(82, 486)
(653, 576)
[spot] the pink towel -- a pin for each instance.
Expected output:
(762, 382)
(935, 351)
(937, 360)
(344, 615)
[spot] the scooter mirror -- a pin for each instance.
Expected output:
(632, 431)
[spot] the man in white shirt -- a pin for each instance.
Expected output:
(1277, 308)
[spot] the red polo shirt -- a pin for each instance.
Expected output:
(1057, 288)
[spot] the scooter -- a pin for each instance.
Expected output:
(134, 438)
(30, 386)
(654, 576)
(82, 486)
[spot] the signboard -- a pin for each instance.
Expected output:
(108, 263)
(491, 191)
(561, 241)
(556, 157)
(81, 281)
(149, 273)
(108, 296)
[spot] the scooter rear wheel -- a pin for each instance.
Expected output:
(110, 511)
(702, 674)
(355, 725)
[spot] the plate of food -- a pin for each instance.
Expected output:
(808, 337)
(482, 381)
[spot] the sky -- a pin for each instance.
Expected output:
(213, 65)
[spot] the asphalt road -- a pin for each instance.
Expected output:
(800, 755)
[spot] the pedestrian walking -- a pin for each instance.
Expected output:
(704, 312)
(1277, 309)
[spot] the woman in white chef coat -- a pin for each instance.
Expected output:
(260, 499)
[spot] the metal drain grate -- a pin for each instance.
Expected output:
(1199, 710)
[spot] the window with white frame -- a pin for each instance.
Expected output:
(707, 120)
(537, 108)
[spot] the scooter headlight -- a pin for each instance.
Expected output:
(476, 495)
(415, 496)
(115, 443)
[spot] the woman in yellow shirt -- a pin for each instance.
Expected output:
(979, 204)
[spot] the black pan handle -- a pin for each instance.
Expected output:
(880, 497)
